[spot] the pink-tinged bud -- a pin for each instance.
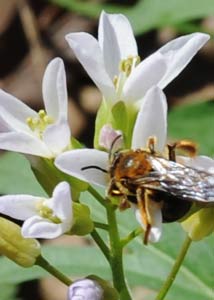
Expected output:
(109, 136)
(85, 289)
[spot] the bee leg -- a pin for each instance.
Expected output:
(151, 144)
(141, 199)
(184, 145)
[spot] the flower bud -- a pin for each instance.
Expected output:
(200, 224)
(17, 248)
(85, 289)
(82, 223)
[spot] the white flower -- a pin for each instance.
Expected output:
(85, 289)
(43, 217)
(113, 64)
(92, 165)
(45, 133)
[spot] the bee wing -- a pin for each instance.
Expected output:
(180, 181)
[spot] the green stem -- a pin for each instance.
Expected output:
(98, 240)
(131, 236)
(43, 263)
(172, 275)
(116, 255)
(97, 196)
(101, 226)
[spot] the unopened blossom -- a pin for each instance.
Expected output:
(85, 289)
(43, 217)
(113, 63)
(45, 133)
(151, 121)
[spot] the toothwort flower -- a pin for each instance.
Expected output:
(151, 121)
(85, 289)
(43, 217)
(113, 63)
(45, 133)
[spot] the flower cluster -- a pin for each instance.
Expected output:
(133, 115)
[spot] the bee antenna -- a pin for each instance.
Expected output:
(93, 167)
(112, 145)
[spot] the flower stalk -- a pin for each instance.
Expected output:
(43, 263)
(172, 275)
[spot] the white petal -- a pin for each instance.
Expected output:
(23, 143)
(116, 40)
(54, 90)
(151, 120)
(74, 163)
(14, 111)
(156, 221)
(88, 52)
(37, 227)
(202, 163)
(19, 207)
(85, 289)
(57, 137)
(179, 52)
(61, 202)
(144, 76)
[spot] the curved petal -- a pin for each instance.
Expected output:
(37, 227)
(86, 164)
(24, 143)
(151, 120)
(202, 163)
(179, 52)
(116, 40)
(14, 111)
(88, 52)
(55, 91)
(19, 207)
(148, 73)
(61, 202)
(57, 137)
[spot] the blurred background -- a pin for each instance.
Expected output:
(32, 33)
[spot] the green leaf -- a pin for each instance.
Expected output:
(147, 14)
(16, 176)
(8, 291)
(194, 122)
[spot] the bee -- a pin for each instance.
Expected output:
(145, 176)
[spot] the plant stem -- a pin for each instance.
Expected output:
(116, 255)
(101, 226)
(131, 236)
(172, 275)
(43, 263)
(98, 240)
(97, 196)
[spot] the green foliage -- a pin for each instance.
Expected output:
(148, 14)
(194, 122)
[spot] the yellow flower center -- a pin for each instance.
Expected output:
(47, 213)
(39, 123)
(126, 66)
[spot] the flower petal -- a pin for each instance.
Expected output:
(88, 52)
(61, 202)
(110, 137)
(179, 52)
(37, 227)
(202, 163)
(144, 76)
(86, 164)
(14, 111)
(151, 120)
(116, 40)
(23, 143)
(19, 207)
(55, 90)
(57, 137)
(85, 289)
